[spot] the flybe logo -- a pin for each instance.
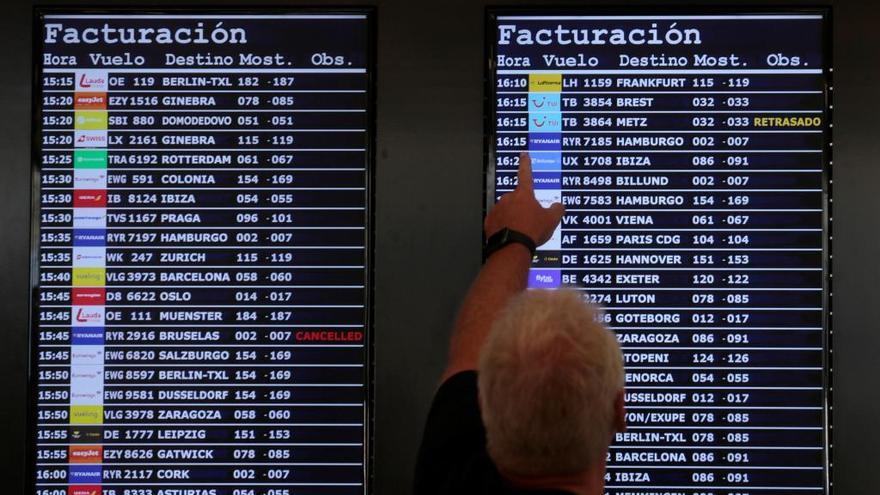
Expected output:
(89, 101)
(89, 139)
(91, 80)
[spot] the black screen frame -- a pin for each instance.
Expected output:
(494, 11)
(37, 15)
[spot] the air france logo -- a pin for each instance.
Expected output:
(89, 139)
(91, 80)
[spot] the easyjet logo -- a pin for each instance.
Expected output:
(90, 101)
(85, 454)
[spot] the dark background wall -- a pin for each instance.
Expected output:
(428, 218)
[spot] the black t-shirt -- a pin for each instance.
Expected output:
(453, 459)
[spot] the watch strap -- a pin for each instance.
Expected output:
(507, 236)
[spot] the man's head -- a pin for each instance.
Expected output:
(551, 381)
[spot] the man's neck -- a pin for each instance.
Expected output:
(589, 482)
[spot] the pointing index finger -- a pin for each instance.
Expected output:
(524, 174)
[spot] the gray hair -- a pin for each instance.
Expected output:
(549, 375)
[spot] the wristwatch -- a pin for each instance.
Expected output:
(507, 236)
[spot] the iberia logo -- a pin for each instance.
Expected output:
(89, 198)
(92, 296)
(84, 490)
(85, 454)
(90, 101)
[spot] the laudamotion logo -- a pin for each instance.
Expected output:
(85, 454)
(91, 80)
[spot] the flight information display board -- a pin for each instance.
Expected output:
(692, 155)
(201, 252)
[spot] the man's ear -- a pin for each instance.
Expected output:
(619, 413)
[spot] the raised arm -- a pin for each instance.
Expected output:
(505, 272)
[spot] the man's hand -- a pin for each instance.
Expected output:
(520, 211)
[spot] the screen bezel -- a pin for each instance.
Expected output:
(490, 17)
(38, 14)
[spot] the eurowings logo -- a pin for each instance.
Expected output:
(89, 198)
(85, 454)
(90, 101)
(89, 139)
(91, 80)
(87, 355)
(89, 178)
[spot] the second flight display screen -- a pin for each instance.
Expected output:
(691, 155)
